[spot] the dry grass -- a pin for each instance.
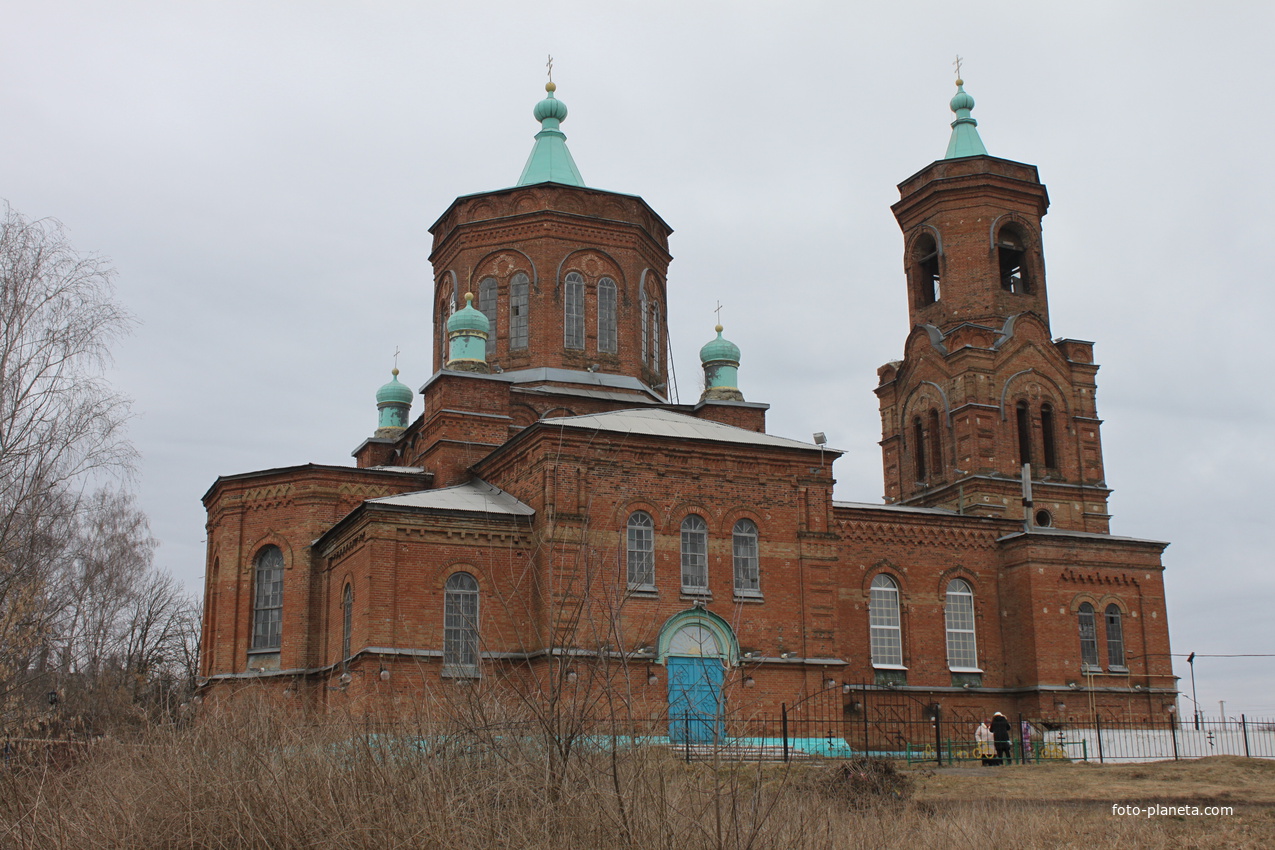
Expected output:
(250, 781)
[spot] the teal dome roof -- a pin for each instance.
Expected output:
(550, 107)
(394, 392)
(467, 318)
(962, 100)
(719, 349)
(965, 140)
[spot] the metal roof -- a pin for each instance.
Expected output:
(477, 496)
(665, 423)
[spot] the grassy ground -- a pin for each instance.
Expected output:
(1083, 795)
(262, 782)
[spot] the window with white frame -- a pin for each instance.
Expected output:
(745, 556)
(347, 620)
(1115, 638)
(1088, 639)
(460, 625)
(267, 608)
(606, 315)
(518, 286)
(645, 321)
(694, 555)
(656, 352)
(958, 613)
(573, 312)
(640, 548)
(487, 306)
(885, 632)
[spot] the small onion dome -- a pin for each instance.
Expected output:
(962, 99)
(550, 107)
(719, 349)
(395, 392)
(468, 319)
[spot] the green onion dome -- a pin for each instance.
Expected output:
(468, 319)
(962, 99)
(550, 107)
(719, 349)
(395, 392)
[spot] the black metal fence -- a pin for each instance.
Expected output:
(945, 741)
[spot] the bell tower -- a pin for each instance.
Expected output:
(983, 390)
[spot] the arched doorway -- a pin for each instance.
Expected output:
(696, 648)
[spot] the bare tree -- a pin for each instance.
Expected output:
(61, 424)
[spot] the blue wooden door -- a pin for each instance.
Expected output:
(694, 698)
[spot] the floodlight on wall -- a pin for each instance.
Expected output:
(829, 684)
(749, 681)
(651, 678)
(846, 688)
(571, 676)
(345, 679)
(385, 675)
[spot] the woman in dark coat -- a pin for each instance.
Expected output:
(1000, 735)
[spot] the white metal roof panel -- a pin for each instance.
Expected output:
(665, 423)
(477, 496)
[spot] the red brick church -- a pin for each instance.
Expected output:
(550, 512)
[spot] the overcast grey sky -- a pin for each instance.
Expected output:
(263, 175)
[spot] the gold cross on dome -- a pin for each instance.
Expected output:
(718, 311)
(549, 65)
(957, 63)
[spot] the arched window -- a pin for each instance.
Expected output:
(518, 286)
(1047, 435)
(487, 306)
(745, 556)
(918, 448)
(267, 607)
(694, 555)
(657, 355)
(958, 613)
(460, 625)
(885, 632)
(641, 551)
(606, 316)
(1115, 638)
(925, 269)
(573, 312)
(1088, 639)
(643, 306)
(1012, 253)
(347, 620)
(1024, 419)
(936, 444)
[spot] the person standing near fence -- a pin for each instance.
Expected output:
(1000, 735)
(983, 742)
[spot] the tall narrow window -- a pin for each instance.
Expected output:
(640, 546)
(606, 316)
(885, 632)
(487, 306)
(1088, 639)
(1012, 254)
(657, 354)
(1047, 436)
(936, 444)
(918, 448)
(645, 320)
(1115, 638)
(267, 609)
(347, 620)
(1024, 418)
(694, 555)
(962, 651)
(518, 286)
(746, 557)
(460, 625)
(925, 269)
(573, 312)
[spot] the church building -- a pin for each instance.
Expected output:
(551, 515)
